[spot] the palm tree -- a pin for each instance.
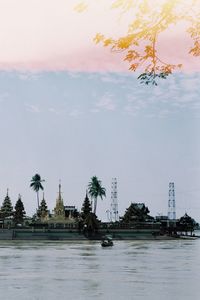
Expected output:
(36, 185)
(96, 190)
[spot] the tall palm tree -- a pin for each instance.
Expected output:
(36, 185)
(96, 190)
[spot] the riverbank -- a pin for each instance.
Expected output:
(73, 234)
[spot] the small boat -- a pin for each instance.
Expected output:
(107, 242)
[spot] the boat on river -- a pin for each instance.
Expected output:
(107, 242)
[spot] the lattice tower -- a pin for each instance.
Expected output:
(171, 202)
(114, 202)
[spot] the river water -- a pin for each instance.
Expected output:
(159, 270)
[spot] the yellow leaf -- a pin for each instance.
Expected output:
(98, 38)
(133, 67)
(107, 42)
(81, 7)
(125, 42)
(132, 54)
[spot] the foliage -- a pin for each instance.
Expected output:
(136, 212)
(151, 77)
(140, 44)
(7, 209)
(96, 190)
(91, 224)
(86, 208)
(19, 212)
(75, 214)
(186, 223)
(36, 185)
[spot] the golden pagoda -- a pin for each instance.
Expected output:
(59, 210)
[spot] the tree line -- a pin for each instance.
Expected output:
(95, 190)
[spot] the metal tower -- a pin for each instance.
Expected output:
(108, 215)
(114, 203)
(171, 202)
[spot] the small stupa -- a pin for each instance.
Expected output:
(43, 212)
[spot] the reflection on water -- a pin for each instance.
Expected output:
(84, 270)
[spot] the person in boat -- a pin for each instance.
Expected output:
(107, 241)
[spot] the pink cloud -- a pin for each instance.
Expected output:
(49, 35)
(174, 46)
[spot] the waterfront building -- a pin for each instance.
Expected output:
(136, 212)
(70, 211)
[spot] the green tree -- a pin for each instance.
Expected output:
(7, 209)
(19, 212)
(86, 208)
(91, 225)
(36, 185)
(186, 223)
(96, 190)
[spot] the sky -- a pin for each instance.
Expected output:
(69, 110)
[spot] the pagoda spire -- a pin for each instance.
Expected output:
(86, 195)
(59, 210)
(59, 198)
(59, 192)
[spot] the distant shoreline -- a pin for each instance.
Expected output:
(74, 234)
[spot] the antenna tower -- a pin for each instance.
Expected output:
(114, 203)
(171, 202)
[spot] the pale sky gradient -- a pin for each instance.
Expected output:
(69, 111)
(71, 126)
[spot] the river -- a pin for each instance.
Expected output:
(159, 270)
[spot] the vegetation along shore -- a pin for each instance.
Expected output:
(67, 223)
